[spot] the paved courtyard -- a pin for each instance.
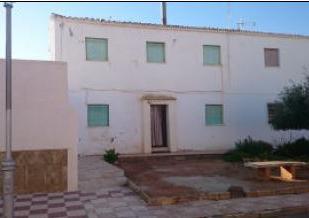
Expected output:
(119, 201)
(123, 205)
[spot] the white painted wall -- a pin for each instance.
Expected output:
(242, 83)
(42, 116)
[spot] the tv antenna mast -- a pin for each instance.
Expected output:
(242, 24)
(229, 15)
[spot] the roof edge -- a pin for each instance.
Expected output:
(180, 27)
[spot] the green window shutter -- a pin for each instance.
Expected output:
(214, 114)
(211, 55)
(96, 49)
(155, 52)
(98, 115)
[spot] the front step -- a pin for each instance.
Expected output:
(97, 184)
(95, 174)
(160, 150)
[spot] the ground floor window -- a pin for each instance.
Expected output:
(214, 114)
(98, 115)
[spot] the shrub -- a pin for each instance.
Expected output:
(253, 147)
(234, 156)
(298, 150)
(260, 150)
(249, 149)
(110, 156)
(294, 106)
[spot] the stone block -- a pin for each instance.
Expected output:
(39, 171)
(262, 193)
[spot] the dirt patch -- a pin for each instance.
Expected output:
(208, 183)
(166, 177)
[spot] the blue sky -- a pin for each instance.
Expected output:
(30, 20)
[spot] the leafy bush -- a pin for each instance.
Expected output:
(298, 150)
(234, 156)
(259, 150)
(249, 149)
(110, 156)
(294, 106)
(253, 147)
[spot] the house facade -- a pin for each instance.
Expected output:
(142, 88)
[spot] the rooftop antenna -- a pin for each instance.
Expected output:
(229, 15)
(242, 24)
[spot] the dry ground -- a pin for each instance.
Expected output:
(169, 177)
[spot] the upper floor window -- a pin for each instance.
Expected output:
(214, 114)
(271, 110)
(155, 52)
(211, 55)
(98, 115)
(271, 56)
(96, 49)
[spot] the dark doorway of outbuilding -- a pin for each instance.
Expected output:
(159, 128)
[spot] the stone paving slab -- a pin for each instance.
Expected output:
(120, 202)
(133, 206)
(95, 174)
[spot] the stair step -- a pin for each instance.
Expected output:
(101, 183)
(86, 175)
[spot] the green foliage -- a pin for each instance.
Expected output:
(234, 156)
(294, 107)
(298, 149)
(253, 147)
(249, 149)
(110, 156)
(256, 150)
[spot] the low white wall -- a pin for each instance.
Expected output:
(42, 116)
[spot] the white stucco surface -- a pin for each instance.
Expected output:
(42, 115)
(241, 83)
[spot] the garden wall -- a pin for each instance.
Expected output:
(44, 127)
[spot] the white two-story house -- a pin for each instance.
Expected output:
(142, 88)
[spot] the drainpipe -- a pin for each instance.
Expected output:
(8, 164)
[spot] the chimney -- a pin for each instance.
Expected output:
(163, 13)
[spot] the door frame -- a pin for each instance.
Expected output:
(170, 122)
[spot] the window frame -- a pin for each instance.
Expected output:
(268, 105)
(222, 115)
(108, 118)
(107, 50)
(278, 52)
(164, 52)
(220, 58)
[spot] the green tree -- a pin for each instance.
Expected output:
(292, 110)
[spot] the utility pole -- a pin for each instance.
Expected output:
(8, 164)
(163, 13)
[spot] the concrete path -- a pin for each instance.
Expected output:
(122, 204)
(95, 174)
